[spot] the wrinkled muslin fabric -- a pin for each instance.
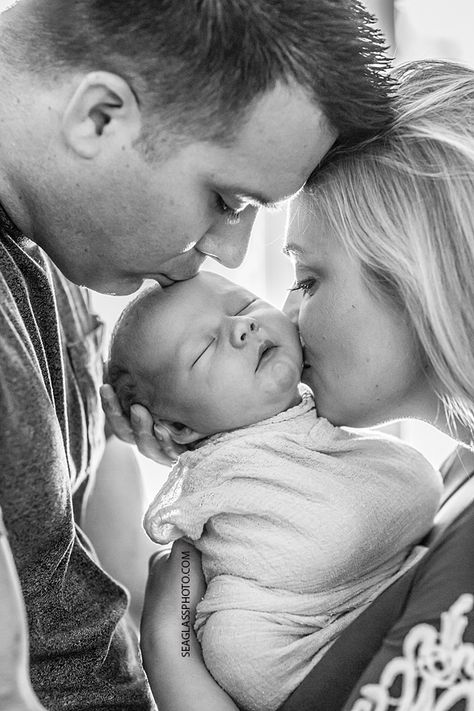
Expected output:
(301, 525)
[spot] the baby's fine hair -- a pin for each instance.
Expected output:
(125, 371)
(402, 204)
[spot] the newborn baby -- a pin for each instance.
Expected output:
(300, 524)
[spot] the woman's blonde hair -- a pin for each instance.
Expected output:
(403, 205)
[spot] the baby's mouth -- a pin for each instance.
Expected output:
(264, 352)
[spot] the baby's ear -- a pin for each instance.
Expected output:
(181, 434)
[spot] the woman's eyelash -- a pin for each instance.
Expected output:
(304, 285)
(232, 216)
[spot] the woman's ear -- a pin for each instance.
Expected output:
(102, 110)
(181, 434)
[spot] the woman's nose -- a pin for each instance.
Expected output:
(241, 330)
(291, 306)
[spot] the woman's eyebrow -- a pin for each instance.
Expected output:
(292, 250)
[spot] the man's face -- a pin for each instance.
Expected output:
(221, 357)
(135, 219)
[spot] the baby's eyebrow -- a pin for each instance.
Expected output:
(248, 302)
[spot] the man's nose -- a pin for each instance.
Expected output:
(227, 242)
(291, 306)
(241, 329)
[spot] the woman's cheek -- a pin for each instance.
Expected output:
(291, 307)
(308, 329)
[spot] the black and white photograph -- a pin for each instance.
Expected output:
(237, 355)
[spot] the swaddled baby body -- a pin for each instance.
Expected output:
(300, 524)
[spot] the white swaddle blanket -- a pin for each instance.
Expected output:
(300, 525)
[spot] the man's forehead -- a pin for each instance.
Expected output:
(285, 136)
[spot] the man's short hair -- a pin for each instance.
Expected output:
(196, 65)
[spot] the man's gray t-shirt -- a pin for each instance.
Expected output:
(83, 655)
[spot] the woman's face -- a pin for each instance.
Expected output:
(361, 360)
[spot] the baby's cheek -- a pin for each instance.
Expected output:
(283, 377)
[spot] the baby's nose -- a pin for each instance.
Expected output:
(242, 328)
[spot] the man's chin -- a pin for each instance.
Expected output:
(114, 287)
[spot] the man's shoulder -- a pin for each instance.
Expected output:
(29, 279)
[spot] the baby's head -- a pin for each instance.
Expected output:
(205, 355)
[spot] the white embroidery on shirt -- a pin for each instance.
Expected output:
(436, 670)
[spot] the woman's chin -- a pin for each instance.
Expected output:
(338, 416)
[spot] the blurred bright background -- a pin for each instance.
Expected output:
(413, 29)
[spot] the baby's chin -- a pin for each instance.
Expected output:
(264, 411)
(283, 400)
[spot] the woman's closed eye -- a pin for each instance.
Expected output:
(307, 286)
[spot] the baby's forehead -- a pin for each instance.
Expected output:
(205, 291)
(181, 308)
(221, 288)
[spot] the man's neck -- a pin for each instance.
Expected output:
(15, 106)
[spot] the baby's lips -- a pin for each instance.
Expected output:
(264, 347)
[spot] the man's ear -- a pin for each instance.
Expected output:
(181, 434)
(103, 109)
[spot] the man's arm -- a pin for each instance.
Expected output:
(16, 693)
